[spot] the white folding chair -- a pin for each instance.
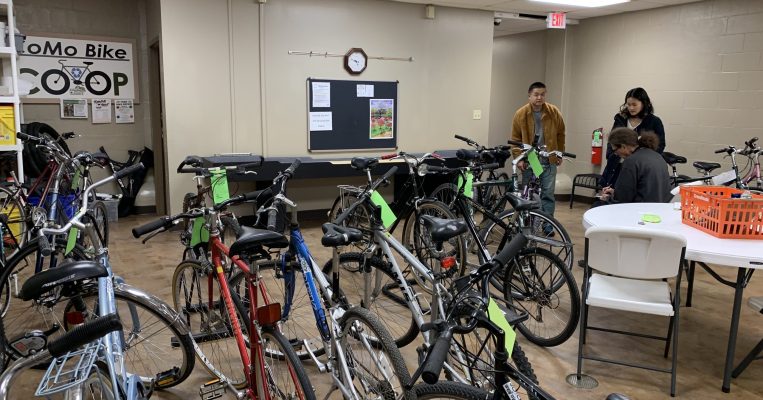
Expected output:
(634, 264)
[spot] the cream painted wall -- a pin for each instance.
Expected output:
(700, 63)
(518, 60)
(212, 74)
(117, 18)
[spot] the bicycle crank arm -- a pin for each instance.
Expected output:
(321, 366)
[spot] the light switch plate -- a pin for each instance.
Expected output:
(477, 114)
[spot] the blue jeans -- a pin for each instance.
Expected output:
(547, 187)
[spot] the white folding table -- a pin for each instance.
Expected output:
(702, 248)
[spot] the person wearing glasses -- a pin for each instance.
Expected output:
(644, 174)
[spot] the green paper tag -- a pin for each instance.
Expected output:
(71, 240)
(76, 179)
(468, 187)
(200, 233)
(220, 191)
(532, 157)
(388, 217)
(497, 317)
(653, 218)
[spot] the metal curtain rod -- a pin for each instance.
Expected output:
(327, 54)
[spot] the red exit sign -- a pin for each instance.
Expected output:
(556, 20)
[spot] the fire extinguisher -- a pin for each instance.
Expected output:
(596, 146)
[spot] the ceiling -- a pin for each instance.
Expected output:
(510, 26)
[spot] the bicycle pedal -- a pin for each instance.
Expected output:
(212, 390)
(167, 377)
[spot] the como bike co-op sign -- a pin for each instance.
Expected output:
(82, 68)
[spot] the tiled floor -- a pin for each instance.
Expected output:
(704, 327)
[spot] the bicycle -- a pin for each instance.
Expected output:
(154, 341)
(212, 308)
(127, 184)
(361, 356)
(57, 82)
(752, 152)
(471, 307)
(91, 381)
(378, 284)
(677, 179)
(543, 286)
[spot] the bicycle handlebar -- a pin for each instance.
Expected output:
(85, 333)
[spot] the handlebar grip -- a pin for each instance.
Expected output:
(436, 358)
(491, 166)
(751, 142)
(388, 156)
(570, 155)
(252, 195)
(721, 151)
(465, 139)
(128, 171)
(45, 248)
(24, 136)
(385, 177)
(85, 333)
(515, 143)
(272, 220)
(141, 230)
(294, 165)
(437, 168)
(511, 249)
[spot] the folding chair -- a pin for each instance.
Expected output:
(756, 303)
(634, 264)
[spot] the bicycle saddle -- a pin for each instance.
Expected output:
(250, 240)
(617, 396)
(67, 272)
(442, 229)
(521, 204)
(671, 158)
(706, 166)
(335, 235)
(467, 155)
(363, 162)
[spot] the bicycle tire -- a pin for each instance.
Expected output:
(419, 242)
(529, 289)
(382, 384)
(560, 243)
(216, 345)
(152, 328)
(14, 207)
(446, 193)
(387, 301)
(99, 215)
(296, 376)
(359, 219)
(449, 390)
(98, 385)
(19, 317)
(298, 321)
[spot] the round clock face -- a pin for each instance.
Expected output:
(355, 61)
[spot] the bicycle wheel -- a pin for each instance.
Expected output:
(196, 297)
(417, 239)
(385, 299)
(449, 390)
(529, 282)
(18, 316)
(157, 345)
(284, 375)
(558, 241)
(14, 233)
(446, 193)
(99, 217)
(287, 286)
(97, 386)
(375, 364)
(359, 219)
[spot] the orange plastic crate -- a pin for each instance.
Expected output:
(711, 209)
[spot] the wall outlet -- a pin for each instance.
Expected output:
(477, 114)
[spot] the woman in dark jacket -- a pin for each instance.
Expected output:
(644, 176)
(637, 113)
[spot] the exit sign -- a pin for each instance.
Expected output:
(556, 20)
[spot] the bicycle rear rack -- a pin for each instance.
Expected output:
(69, 370)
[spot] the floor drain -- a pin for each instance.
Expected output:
(585, 381)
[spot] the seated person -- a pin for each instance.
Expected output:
(644, 176)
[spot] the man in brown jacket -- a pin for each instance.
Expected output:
(540, 123)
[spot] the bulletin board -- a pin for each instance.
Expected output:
(351, 115)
